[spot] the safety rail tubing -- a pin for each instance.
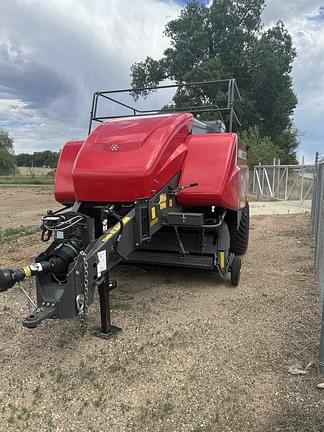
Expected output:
(232, 91)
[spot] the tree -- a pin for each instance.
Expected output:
(262, 149)
(7, 159)
(45, 158)
(227, 40)
(23, 159)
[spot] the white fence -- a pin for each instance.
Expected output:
(284, 182)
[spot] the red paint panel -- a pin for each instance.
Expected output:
(126, 159)
(64, 188)
(131, 158)
(211, 161)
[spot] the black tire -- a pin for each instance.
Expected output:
(239, 236)
(236, 271)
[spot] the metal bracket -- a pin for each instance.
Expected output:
(39, 315)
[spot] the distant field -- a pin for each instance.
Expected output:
(29, 176)
(36, 171)
(26, 180)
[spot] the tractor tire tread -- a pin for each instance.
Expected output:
(236, 271)
(240, 236)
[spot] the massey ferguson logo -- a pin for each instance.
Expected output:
(114, 147)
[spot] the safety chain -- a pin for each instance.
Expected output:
(82, 300)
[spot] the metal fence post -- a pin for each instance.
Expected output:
(320, 262)
(318, 234)
(274, 176)
(314, 195)
(302, 181)
(278, 192)
(286, 183)
(253, 184)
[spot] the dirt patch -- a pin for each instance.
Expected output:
(24, 206)
(194, 353)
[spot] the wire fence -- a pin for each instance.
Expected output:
(318, 235)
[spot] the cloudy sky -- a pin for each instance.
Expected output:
(55, 53)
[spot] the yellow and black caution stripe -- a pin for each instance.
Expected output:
(115, 229)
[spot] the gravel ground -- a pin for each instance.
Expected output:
(24, 206)
(194, 355)
(263, 208)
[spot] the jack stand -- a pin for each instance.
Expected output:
(107, 329)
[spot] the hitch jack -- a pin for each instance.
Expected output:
(107, 330)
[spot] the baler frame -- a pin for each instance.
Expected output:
(229, 109)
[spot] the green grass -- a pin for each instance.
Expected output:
(26, 180)
(37, 393)
(157, 409)
(45, 187)
(7, 233)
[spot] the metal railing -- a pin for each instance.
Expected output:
(318, 235)
(227, 113)
(284, 182)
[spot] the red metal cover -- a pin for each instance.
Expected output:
(64, 188)
(212, 162)
(131, 158)
(127, 159)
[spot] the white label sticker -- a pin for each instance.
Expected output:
(37, 267)
(102, 262)
(59, 234)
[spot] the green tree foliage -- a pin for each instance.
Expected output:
(226, 40)
(45, 158)
(262, 149)
(7, 159)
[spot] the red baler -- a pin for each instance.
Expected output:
(151, 187)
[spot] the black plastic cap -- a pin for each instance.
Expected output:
(6, 279)
(9, 277)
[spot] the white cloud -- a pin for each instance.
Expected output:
(290, 10)
(306, 25)
(55, 54)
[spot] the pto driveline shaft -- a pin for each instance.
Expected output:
(8, 277)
